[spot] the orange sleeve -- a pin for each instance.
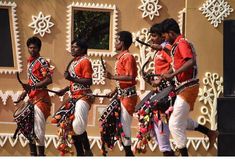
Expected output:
(185, 49)
(130, 66)
(86, 69)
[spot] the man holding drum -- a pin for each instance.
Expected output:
(79, 73)
(39, 77)
(126, 73)
(184, 71)
(162, 64)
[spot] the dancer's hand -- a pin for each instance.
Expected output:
(167, 77)
(67, 76)
(21, 97)
(27, 87)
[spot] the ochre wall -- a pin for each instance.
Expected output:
(206, 39)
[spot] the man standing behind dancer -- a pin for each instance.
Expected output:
(126, 73)
(39, 77)
(80, 76)
(162, 64)
(184, 70)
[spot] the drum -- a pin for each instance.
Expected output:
(163, 100)
(153, 111)
(110, 129)
(22, 112)
(110, 109)
(146, 98)
(64, 117)
(24, 117)
(65, 111)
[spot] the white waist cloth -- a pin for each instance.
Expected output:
(163, 139)
(39, 125)
(180, 122)
(126, 120)
(81, 116)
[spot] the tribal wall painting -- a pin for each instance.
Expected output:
(41, 24)
(216, 11)
(208, 94)
(150, 8)
(145, 54)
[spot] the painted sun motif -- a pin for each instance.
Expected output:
(41, 24)
(150, 8)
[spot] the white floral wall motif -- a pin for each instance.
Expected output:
(150, 8)
(98, 72)
(41, 24)
(216, 11)
(212, 89)
(15, 36)
(94, 7)
(144, 55)
(194, 142)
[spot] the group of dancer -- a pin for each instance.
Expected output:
(175, 59)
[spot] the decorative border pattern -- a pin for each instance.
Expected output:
(215, 11)
(194, 142)
(16, 44)
(93, 7)
(181, 19)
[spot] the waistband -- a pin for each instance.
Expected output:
(127, 92)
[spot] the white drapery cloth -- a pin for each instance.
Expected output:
(126, 120)
(81, 117)
(180, 122)
(163, 139)
(39, 125)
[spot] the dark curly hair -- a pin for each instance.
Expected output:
(82, 43)
(156, 28)
(170, 25)
(126, 37)
(34, 40)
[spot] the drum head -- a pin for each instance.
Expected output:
(20, 109)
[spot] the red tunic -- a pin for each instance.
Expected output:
(126, 66)
(81, 67)
(183, 52)
(38, 70)
(162, 61)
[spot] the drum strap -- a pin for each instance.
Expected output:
(128, 92)
(186, 84)
(16, 132)
(30, 72)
